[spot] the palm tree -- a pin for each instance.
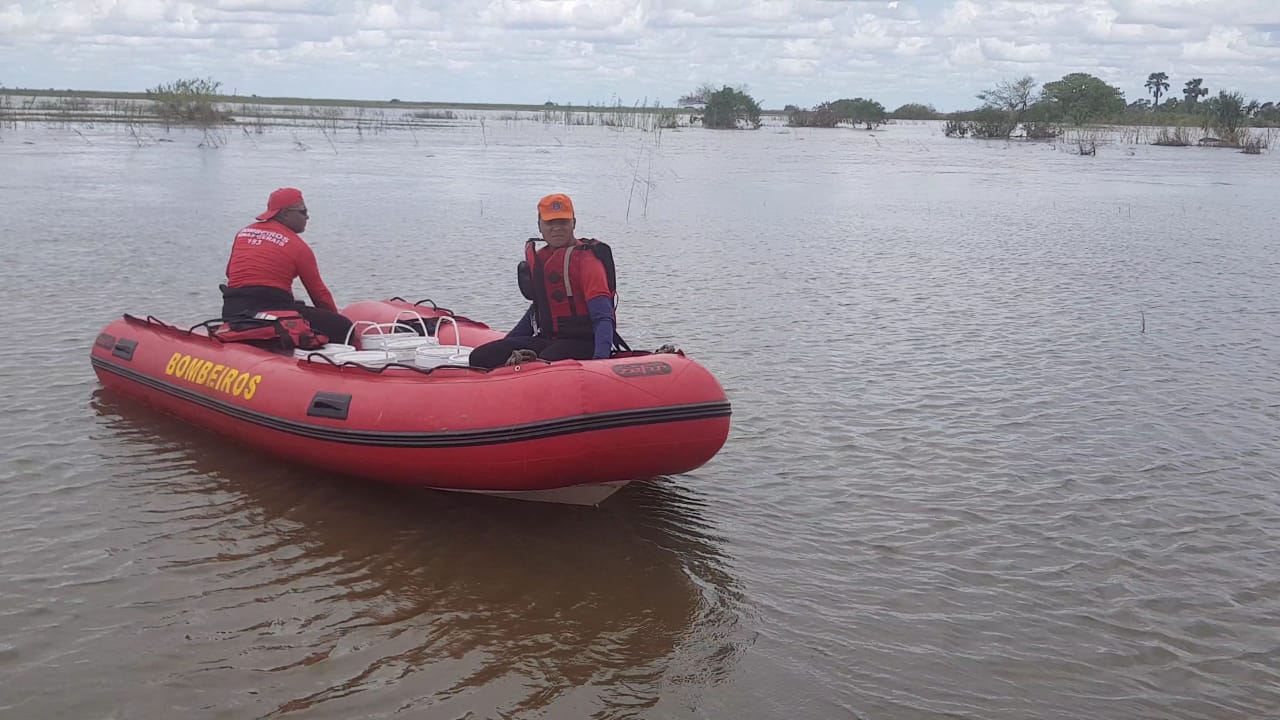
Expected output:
(1158, 84)
(1193, 92)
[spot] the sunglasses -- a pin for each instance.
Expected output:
(300, 211)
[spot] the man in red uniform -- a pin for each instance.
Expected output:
(267, 256)
(572, 311)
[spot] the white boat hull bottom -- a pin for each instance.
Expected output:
(592, 494)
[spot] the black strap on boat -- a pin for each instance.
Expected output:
(618, 343)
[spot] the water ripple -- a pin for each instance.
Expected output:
(1004, 444)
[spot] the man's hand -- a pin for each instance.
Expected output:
(520, 357)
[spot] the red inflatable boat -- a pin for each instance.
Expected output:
(567, 431)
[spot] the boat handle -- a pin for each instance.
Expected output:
(421, 320)
(356, 324)
(378, 326)
(457, 336)
(124, 348)
(330, 405)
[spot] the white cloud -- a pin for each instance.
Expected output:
(913, 46)
(305, 7)
(561, 14)
(997, 49)
(1227, 45)
(966, 54)
(789, 51)
(1198, 13)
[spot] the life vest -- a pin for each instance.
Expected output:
(286, 330)
(561, 313)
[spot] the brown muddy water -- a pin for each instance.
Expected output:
(1005, 438)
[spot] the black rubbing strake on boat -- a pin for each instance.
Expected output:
(449, 438)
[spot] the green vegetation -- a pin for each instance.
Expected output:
(729, 108)
(1082, 98)
(1226, 115)
(697, 98)
(1176, 136)
(1017, 108)
(1157, 84)
(858, 111)
(1192, 92)
(263, 100)
(1006, 107)
(198, 104)
(914, 111)
(189, 101)
(821, 116)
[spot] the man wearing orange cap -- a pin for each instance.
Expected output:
(570, 282)
(266, 257)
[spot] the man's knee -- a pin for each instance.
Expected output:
(330, 324)
(492, 354)
(496, 353)
(568, 349)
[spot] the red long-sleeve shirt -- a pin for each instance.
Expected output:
(270, 254)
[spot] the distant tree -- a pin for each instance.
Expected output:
(989, 123)
(820, 116)
(860, 111)
(914, 111)
(1012, 99)
(1038, 122)
(1157, 85)
(729, 108)
(1225, 115)
(1082, 98)
(700, 96)
(1268, 114)
(188, 102)
(1192, 92)
(1011, 96)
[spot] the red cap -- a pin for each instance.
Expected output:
(555, 207)
(279, 200)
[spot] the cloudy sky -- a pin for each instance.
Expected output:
(529, 51)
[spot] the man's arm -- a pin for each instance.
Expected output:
(309, 273)
(602, 324)
(595, 288)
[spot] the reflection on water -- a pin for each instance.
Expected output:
(302, 593)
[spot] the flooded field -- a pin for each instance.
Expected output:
(1005, 439)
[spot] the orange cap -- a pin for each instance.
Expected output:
(555, 207)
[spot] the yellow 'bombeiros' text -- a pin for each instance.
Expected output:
(222, 378)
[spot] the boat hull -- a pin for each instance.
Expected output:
(527, 429)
